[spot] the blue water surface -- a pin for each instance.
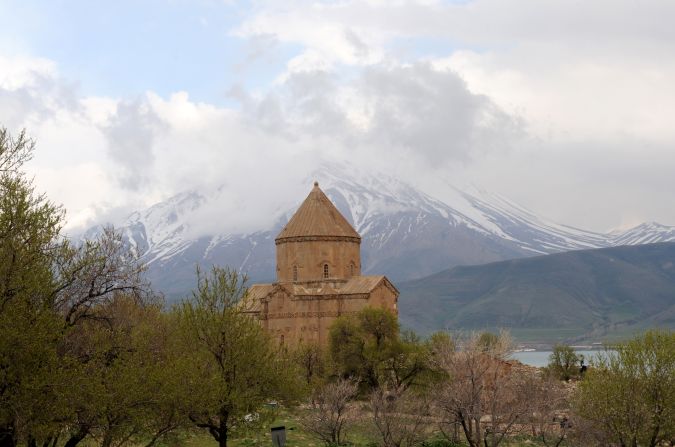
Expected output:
(540, 358)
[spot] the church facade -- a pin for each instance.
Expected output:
(318, 256)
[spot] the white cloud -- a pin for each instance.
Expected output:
(131, 133)
(321, 29)
(584, 99)
(410, 112)
(602, 66)
(565, 107)
(132, 152)
(593, 82)
(80, 187)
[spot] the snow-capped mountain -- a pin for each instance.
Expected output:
(406, 233)
(646, 233)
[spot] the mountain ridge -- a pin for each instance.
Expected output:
(405, 232)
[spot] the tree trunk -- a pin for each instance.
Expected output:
(224, 415)
(107, 439)
(655, 436)
(77, 437)
(474, 438)
(7, 436)
(50, 442)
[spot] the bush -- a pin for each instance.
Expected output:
(564, 363)
(629, 393)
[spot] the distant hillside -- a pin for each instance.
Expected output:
(577, 295)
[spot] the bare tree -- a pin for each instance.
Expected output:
(549, 417)
(331, 413)
(401, 417)
(585, 433)
(483, 395)
(90, 274)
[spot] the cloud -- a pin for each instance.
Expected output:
(564, 107)
(582, 92)
(412, 111)
(70, 162)
(32, 91)
(131, 134)
(259, 47)
(476, 22)
(433, 115)
(592, 184)
(581, 69)
(571, 98)
(150, 148)
(321, 28)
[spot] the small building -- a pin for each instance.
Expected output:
(318, 276)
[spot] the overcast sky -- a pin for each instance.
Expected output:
(566, 107)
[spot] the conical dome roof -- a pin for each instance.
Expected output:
(317, 217)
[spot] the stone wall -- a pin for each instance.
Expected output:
(293, 320)
(309, 257)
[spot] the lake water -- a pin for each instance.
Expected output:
(540, 358)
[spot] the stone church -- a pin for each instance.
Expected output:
(318, 276)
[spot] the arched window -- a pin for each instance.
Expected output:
(351, 269)
(295, 273)
(325, 271)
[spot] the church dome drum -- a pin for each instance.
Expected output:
(318, 243)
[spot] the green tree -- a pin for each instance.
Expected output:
(347, 346)
(311, 360)
(360, 344)
(30, 227)
(14, 152)
(29, 329)
(630, 391)
(368, 347)
(440, 342)
(563, 363)
(237, 367)
(31, 380)
(47, 286)
(487, 341)
(410, 363)
(129, 377)
(379, 326)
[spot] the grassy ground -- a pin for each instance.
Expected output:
(295, 435)
(360, 435)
